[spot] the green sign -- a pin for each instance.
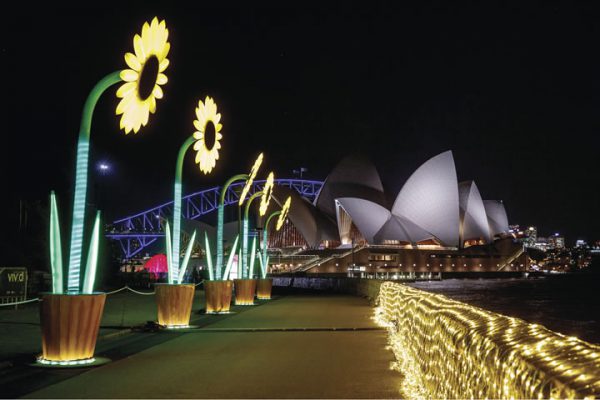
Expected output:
(13, 282)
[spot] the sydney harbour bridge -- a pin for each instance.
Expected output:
(136, 232)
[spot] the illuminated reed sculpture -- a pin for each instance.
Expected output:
(264, 285)
(218, 288)
(174, 299)
(448, 349)
(245, 288)
(75, 313)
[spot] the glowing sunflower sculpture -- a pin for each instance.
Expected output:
(207, 135)
(250, 180)
(284, 213)
(267, 194)
(144, 78)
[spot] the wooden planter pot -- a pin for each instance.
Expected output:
(174, 302)
(218, 296)
(263, 288)
(244, 291)
(70, 324)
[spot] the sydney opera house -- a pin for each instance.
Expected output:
(434, 224)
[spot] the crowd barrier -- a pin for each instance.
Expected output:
(16, 303)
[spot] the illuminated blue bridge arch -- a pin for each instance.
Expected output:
(136, 232)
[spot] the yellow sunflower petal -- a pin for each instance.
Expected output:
(138, 47)
(198, 126)
(161, 79)
(157, 92)
(133, 62)
(165, 51)
(164, 33)
(218, 127)
(152, 104)
(126, 124)
(145, 114)
(208, 105)
(129, 111)
(198, 143)
(123, 104)
(163, 65)
(201, 115)
(129, 75)
(125, 89)
(146, 39)
(154, 24)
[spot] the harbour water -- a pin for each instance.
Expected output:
(566, 303)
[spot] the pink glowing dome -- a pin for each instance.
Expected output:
(157, 265)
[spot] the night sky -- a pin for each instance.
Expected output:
(512, 91)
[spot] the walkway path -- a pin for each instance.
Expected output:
(262, 352)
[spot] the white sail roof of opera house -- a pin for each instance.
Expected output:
(354, 176)
(473, 219)
(368, 217)
(430, 205)
(377, 223)
(429, 199)
(313, 225)
(496, 216)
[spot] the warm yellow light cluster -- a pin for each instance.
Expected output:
(136, 104)
(206, 113)
(284, 213)
(251, 178)
(267, 194)
(448, 349)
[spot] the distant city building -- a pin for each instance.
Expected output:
(531, 236)
(556, 242)
(581, 243)
(541, 243)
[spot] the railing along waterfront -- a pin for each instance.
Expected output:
(449, 349)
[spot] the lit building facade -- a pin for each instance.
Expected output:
(434, 224)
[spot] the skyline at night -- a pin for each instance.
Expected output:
(301, 201)
(511, 91)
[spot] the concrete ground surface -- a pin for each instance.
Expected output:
(295, 346)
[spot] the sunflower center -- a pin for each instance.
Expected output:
(148, 77)
(210, 135)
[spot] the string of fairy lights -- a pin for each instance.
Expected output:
(448, 349)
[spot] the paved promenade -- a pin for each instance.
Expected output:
(295, 346)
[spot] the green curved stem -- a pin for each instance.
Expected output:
(81, 168)
(174, 263)
(245, 234)
(220, 222)
(265, 232)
